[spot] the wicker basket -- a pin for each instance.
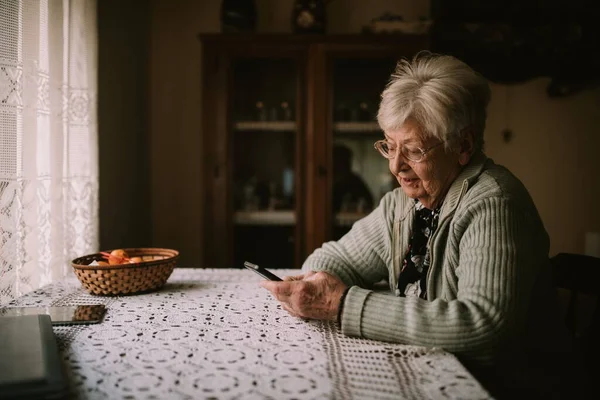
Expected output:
(122, 279)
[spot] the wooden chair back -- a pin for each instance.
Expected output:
(580, 275)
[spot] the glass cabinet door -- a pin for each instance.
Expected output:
(263, 143)
(360, 175)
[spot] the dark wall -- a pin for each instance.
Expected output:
(514, 41)
(123, 134)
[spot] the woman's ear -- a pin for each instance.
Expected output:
(466, 146)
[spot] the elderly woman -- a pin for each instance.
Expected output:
(460, 243)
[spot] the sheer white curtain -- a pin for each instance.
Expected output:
(48, 140)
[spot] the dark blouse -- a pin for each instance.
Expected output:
(412, 280)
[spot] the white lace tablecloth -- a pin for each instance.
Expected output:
(216, 334)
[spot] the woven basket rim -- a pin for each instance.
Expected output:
(143, 264)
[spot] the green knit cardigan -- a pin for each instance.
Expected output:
(489, 281)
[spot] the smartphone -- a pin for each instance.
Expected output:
(68, 315)
(262, 272)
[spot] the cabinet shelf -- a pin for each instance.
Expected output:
(283, 126)
(356, 127)
(265, 217)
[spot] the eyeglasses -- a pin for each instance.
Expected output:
(412, 153)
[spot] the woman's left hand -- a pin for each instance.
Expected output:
(314, 295)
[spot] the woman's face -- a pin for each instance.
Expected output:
(429, 179)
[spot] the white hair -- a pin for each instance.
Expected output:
(442, 94)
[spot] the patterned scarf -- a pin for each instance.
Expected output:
(416, 261)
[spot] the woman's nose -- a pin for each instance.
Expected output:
(396, 163)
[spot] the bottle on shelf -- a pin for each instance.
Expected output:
(364, 115)
(288, 183)
(261, 111)
(250, 200)
(273, 114)
(286, 111)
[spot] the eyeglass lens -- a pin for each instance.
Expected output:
(409, 153)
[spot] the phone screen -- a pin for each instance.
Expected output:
(68, 315)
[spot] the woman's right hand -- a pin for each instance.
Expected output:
(298, 277)
(314, 295)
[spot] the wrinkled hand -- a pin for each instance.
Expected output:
(314, 295)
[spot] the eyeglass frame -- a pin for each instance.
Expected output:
(423, 151)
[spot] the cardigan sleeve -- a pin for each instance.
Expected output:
(362, 255)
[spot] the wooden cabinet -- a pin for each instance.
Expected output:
(288, 131)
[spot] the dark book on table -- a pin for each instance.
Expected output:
(30, 364)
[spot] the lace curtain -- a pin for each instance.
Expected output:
(48, 140)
